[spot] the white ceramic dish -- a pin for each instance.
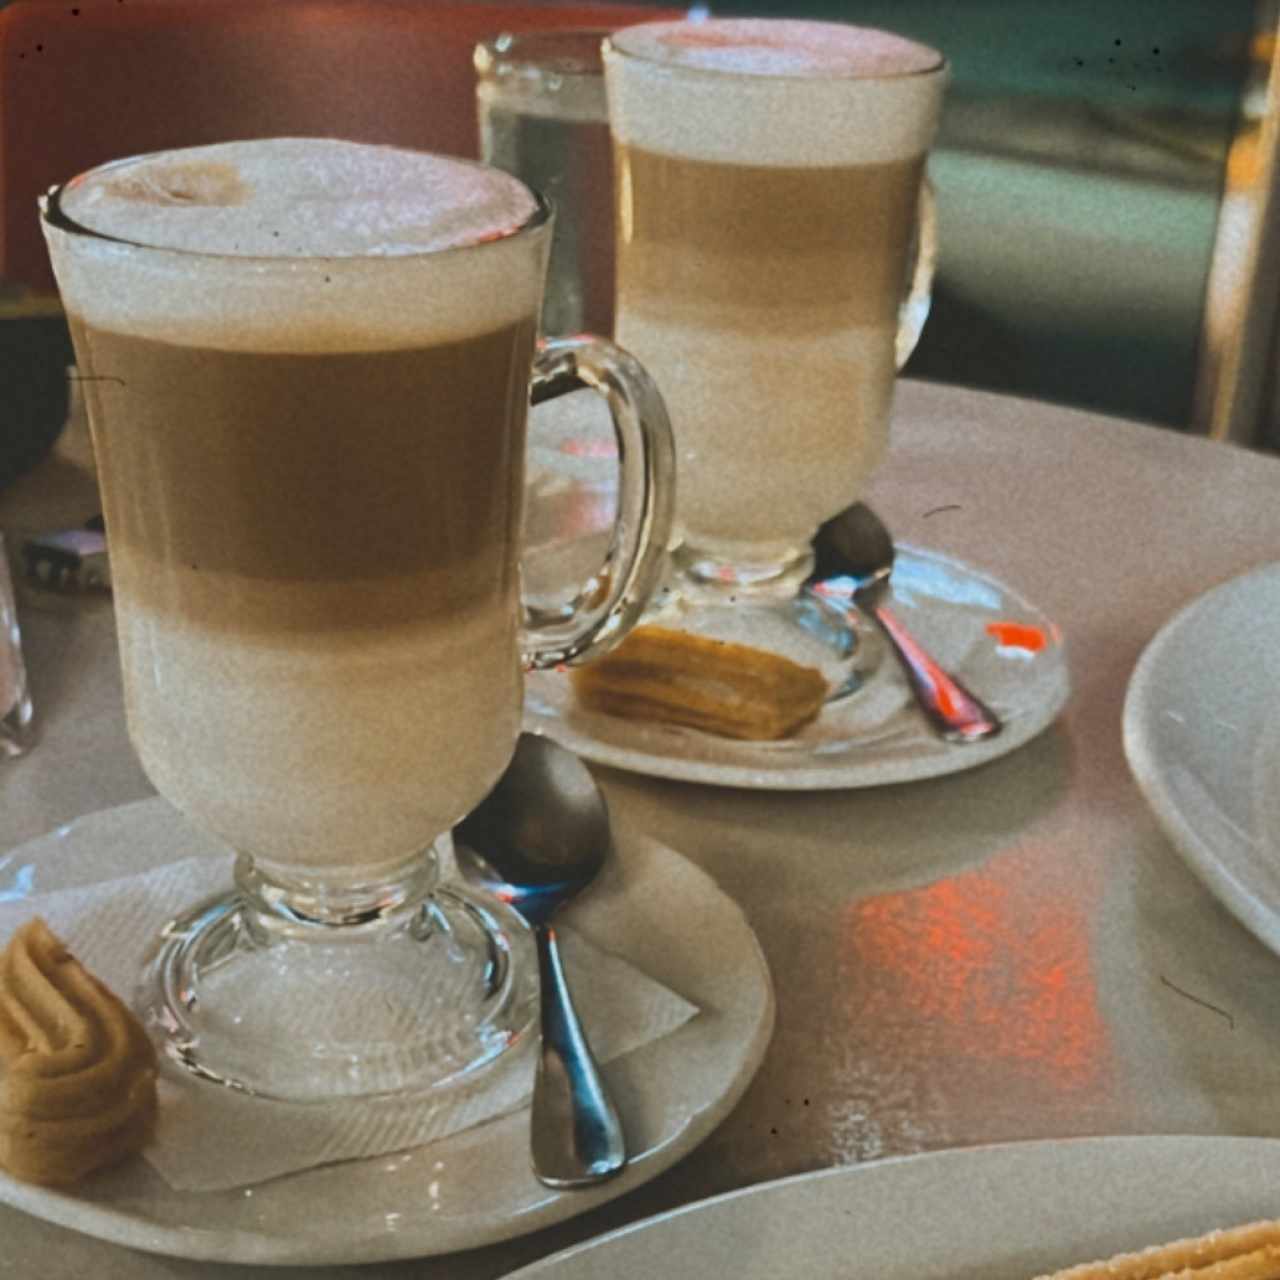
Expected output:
(1202, 738)
(878, 736)
(468, 1190)
(987, 1213)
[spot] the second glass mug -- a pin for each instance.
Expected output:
(776, 245)
(312, 473)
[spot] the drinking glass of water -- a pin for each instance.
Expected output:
(541, 106)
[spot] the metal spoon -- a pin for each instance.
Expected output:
(856, 544)
(535, 841)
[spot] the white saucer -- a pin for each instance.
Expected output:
(875, 737)
(468, 1190)
(1202, 735)
(999, 1213)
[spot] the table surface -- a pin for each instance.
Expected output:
(1008, 953)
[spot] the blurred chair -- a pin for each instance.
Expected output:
(1123, 244)
(86, 81)
(1237, 388)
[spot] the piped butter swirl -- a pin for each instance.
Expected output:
(77, 1072)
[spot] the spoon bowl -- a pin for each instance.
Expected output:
(857, 545)
(542, 833)
(536, 841)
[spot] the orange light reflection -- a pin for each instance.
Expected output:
(1017, 635)
(994, 968)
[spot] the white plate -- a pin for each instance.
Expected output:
(986, 1213)
(467, 1190)
(878, 736)
(1201, 735)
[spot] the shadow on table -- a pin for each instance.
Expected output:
(890, 837)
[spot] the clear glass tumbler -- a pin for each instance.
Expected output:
(541, 106)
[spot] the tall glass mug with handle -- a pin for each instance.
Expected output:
(770, 200)
(308, 369)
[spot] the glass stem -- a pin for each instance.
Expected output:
(287, 898)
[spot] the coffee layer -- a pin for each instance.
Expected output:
(748, 242)
(296, 493)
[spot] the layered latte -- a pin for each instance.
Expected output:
(308, 413)
(768, 173)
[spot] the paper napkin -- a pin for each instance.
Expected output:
(210, 1138)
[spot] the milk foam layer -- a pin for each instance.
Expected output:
(298, 244)
(298, 198)
(773, 92)
(778, 47)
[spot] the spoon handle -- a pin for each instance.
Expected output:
(956, 713)
(577, 1138)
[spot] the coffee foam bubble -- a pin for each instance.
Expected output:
(774, 92)
(298, 244)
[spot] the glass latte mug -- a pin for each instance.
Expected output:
(769, 202)
(308, 369)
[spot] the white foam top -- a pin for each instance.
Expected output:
(777, 47)
(298, 243)
(773, 91)
(299, 198)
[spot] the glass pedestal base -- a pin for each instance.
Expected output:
(423, 997)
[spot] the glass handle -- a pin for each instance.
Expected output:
(915, 307)
(611, 602)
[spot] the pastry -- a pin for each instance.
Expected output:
(1248, 1252)
(677, 677)
(77, 1072)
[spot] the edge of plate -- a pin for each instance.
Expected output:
(1029, 1148)
(1184, 837)
(949, 758)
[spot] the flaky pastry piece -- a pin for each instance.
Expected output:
(714, 685)
(1247, 1252)
(77, 1072)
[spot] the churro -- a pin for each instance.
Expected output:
(77, 1072)
(677, 677)
(1247, 1252)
